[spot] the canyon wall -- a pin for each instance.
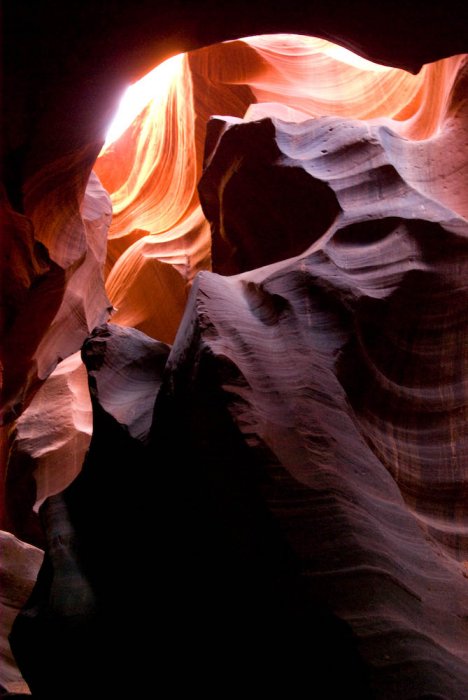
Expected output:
(293, 468)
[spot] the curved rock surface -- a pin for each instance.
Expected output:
(305, 476)
(124, 369)
(48, 445)
(18, 571)
(319, 78)
(396, 241)
(153, 155)
(321, 170)
(148, 283)
(62, 296)
(151, 173)
(73, 606)
(303, 486)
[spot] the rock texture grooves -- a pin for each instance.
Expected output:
(48, 445)
(124, 370)
(98, 532)
(296, 466)
(303, 485)
(58, 296)
(153, 158)
(57, 232)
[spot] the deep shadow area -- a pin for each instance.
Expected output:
(165, 568)
(261, 208)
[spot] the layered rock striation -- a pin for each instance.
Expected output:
(294, 469)
(300, 485)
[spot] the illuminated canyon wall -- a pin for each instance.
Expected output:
(297, 460)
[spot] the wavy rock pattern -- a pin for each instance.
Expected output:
(148, 283)
(73, 606)
(85, 304)
(318, 78)
(151, 169)
(151, 173)
(318, 505)
(321, 401)
(248, 231)
(62, 297)
(124, 370)
(48, 445)
(157, 217)
(335, 164)
(307, 358)
(382, 218)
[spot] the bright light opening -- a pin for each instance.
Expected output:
(154, 86)
(339, 53)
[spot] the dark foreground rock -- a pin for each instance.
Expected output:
(295, 519)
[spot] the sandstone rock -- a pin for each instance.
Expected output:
(286, 517)
(19, 566)
(319, 78)
(305, 476)
(29, 278)
(155, 192)
(151, 173)
(62, 290)
(49, 154)
(73, 606)
(48, 444)
(321, 367)
(248, 231)
(319, 171)
(151, 168)
(149, 282)
(125, 368)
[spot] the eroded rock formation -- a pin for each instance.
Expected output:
(106, 539)
(305, 466)
(48, 445)
(62, 297)
(319, 483)
(151, 171)
(151, 167)
(20, 563)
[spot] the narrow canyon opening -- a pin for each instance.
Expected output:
(152, 161)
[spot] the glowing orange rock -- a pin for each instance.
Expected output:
(61, 297)
(148, 283)
(151, 172)
(154, 151)
(159, 239)
(158, 155)
(318, 78)
(325, 391)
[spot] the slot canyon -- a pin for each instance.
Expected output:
(234, 350)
